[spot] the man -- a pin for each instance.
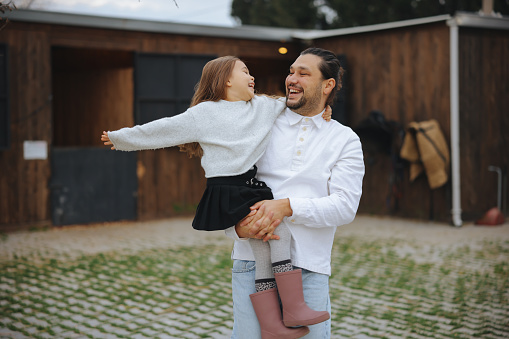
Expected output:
(315, 169)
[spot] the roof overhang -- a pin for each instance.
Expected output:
(312, 35)
(461, 19)
(240, 32)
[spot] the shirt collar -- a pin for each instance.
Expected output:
(295, 118)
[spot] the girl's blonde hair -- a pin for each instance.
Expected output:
(211, 87)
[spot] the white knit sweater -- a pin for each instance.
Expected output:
(233, 135)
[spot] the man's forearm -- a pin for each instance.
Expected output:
(280, 207)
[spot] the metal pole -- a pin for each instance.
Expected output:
(455, 122)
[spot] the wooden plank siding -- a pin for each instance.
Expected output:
(484, 116)
(404, 73)
(169, 183)
(24, 183)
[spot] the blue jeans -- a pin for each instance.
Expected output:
(245, 323)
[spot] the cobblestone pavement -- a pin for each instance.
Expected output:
(391, 278)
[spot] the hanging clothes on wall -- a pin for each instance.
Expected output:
(425, 147)
(383, 138)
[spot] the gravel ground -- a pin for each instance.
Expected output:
(391, 278)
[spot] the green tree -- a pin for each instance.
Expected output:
(347, 13)
(278, 13)
(367, 12)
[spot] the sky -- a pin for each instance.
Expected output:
(203, 12)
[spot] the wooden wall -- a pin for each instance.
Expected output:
(24, 183)
(484, 117)
(169, 183)
(404, 73)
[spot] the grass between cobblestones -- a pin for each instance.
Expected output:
(376, 292)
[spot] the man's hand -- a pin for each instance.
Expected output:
(269, 215)
(243, 230)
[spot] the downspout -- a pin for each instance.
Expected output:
(455, 123)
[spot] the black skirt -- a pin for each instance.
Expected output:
(226, 200)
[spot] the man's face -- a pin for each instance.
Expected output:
(304, 86)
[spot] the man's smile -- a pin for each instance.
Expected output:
(294, 92)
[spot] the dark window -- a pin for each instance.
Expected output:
(4, 99)
(164, 84)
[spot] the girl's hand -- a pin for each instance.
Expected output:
(107, 140)
(327, 114)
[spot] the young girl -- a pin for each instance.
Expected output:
(229, 127)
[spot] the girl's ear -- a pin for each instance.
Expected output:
(229, 84)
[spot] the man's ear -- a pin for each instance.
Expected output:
(329, 85)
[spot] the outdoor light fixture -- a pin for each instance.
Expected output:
(282, 50)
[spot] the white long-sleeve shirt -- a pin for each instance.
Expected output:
(319, 166)
(233, 135)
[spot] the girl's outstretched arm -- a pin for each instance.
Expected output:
(161, 133)
(106, 140)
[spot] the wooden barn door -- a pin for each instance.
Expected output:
(92, 92)
(92, 185)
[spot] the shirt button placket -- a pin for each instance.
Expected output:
(300, 144)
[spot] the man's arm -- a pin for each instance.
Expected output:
(338, 208)
(345, 190)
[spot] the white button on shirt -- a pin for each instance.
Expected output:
(319, 166)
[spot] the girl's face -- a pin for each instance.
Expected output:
(240, 85)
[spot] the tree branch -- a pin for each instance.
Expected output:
(5, 7)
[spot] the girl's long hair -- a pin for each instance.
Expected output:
(211, 87)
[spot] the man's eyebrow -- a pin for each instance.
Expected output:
(301, 68)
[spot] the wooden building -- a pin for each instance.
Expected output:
(454, 70)
(65, 78)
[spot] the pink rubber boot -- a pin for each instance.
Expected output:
(268, 312)
(295, 310)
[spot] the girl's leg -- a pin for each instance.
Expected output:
(280, 250)
(265, 301)
(264, 277)
(273, 258)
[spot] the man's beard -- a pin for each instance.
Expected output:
(306, 104)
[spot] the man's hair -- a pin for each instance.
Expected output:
(330, 68)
